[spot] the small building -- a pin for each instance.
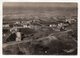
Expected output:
(54, 26)
(71, 20)
(6, 25)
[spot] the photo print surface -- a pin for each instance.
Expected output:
(39, 28)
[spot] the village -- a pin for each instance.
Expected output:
(31, 23)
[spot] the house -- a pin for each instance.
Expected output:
(54, 26)
(6, 25)
(71, 20)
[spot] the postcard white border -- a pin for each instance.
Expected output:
(37, 56)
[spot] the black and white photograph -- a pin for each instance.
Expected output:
(40, 28)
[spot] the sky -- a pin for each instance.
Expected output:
(38, 4)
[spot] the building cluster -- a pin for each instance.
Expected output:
(36, 25)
